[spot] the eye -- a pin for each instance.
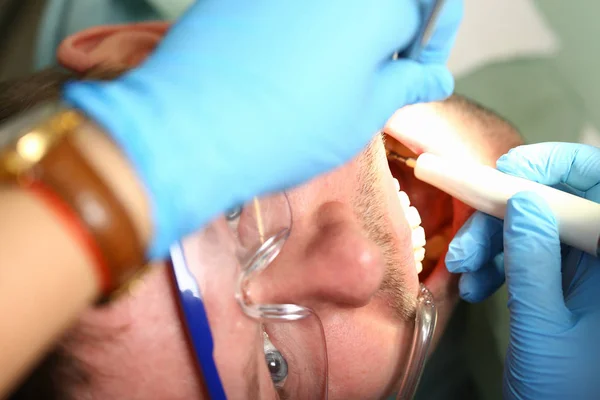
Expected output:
(232, 216)
(233, 213)
(278, 367)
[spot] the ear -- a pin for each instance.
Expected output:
(110, 45)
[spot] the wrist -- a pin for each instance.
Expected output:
(185, 173)
(115, 170)
(65, 161)
(47, 280)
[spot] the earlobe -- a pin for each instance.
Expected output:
(110, 45)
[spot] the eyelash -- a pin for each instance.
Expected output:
(269, 347)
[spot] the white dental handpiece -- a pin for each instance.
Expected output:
(488, 190)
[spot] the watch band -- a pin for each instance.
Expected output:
(48, 154)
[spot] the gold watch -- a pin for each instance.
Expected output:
(38, 146)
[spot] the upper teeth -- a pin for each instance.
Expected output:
(414, 221)
(413, 217)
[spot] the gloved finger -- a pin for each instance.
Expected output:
(442, 40)
(532, 261)
(475, 245)
(406, 82)
(576, 165)
(481, 284)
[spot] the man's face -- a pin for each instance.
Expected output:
(354, 247)
(351, 257)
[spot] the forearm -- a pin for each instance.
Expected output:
(47, 277)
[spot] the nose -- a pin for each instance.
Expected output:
(327, 259)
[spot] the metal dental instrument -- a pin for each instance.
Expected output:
(429, 11)
(488, 190)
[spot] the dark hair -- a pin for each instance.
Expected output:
(53, 378)
(20, 94)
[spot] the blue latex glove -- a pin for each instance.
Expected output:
(248, 97)
(554, 298)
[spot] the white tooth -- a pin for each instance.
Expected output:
(418, 237)
(396, 184)
(413, 217)
(404, 200)
(419, 254)
(419, 266)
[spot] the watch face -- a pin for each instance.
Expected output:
(21, 124)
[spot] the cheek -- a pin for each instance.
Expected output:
(237, 339)
(368, 343)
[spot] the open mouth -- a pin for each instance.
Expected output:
(434, 210)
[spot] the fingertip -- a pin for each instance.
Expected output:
(469, 290)
(477, 286)
(442, 83)
(504, 158)
(440, 46)
(405, 82)
(465, 288)
(454, 264)
(550, 163)
(462, 254)
(530, 209)
(453, 14)
(512, 162)
(475, 244)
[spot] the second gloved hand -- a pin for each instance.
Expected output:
(554, 291)
(248, 97)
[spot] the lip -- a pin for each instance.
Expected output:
(414, 147)
(437, 279)
(405, 147)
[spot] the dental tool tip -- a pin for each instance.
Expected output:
(410, 162)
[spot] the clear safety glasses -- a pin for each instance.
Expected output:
(248, 338)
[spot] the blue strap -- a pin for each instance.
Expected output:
(196, 322)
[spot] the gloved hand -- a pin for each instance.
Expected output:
(554, 296)
(248, 97)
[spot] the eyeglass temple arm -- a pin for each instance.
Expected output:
(425, 322)
(196, 322)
